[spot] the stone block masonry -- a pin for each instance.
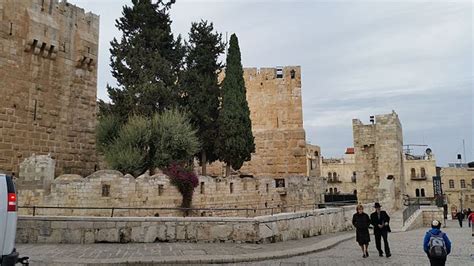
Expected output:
(379, 160)
(107, 189)
(48, 84)
(276, 111)
(262, 229)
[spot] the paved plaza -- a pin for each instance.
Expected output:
(332, 249)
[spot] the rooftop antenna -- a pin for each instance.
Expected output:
(464, 150)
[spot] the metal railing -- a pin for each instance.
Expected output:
(409, 211)
(194, 212)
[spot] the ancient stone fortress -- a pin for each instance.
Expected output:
(276, 111)
(48, 83)
(107, 188)
(379, 155)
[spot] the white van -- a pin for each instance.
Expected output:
(8, 218)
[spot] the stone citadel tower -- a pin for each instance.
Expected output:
(379, 160)
(48, 83)
(274, 98)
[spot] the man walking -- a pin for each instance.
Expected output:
(380, 220)
(436, 245)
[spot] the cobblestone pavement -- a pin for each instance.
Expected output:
(406, 249)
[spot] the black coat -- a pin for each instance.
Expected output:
(361, 222)
(384, 218)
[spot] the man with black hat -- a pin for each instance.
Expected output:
(380, 220)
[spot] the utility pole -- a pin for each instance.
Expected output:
(464, 150)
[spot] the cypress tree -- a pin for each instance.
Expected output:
(146, 61)
(200, 86)
(235, 139)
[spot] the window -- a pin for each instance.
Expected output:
(279, 73)
(202, 187)
(335, 190)
(105, 190)
(310, 164)
(451, 183)
(334, 176)
(160, 190)
(329, 176)
(231, 188)
(316, 153)
(355, 192)
(413, 173)
(266, 188)
(279, 182)
(423, 192)
(330, 190)
(354, 177)
(417, 192)
(293, 74)
(463, 183)
(422, 172)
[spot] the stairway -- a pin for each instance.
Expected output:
(396, 221)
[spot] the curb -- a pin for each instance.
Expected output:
(210, 259)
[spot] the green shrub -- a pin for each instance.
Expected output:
(144, 144)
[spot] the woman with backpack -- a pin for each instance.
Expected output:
(436, 244)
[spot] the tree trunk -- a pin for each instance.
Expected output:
(203, 163)
(227, 169)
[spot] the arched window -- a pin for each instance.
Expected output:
(316, 153)
(329, 177)
(451, 183)
(330, 190)
(335, 190)
(423, 192)
(413, 173)
(422, 172)
(334, 176)
(355, 192)
(417, 192)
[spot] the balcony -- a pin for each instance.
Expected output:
(333, 181)
(418, 177)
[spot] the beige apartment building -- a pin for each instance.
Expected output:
(458, 187)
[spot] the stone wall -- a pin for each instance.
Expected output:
(262, 229)
(277, 123)
(379, 160)
(48, 83)
(431, 213)
(107, 189)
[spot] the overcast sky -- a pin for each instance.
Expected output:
(358, 58)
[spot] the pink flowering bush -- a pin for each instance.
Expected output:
(185, 180)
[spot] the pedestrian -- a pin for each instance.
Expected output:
(381, 222)
(436, 244)
(468, 213)
(460, 217)
(361, 222)
(470, 220)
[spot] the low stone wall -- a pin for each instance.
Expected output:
(262, 229)
(431, 213)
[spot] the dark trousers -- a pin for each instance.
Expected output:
(460, 222)
(378, 235)
(437, 261)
